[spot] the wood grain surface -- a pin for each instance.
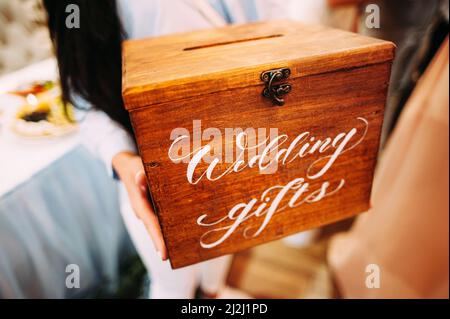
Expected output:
(230, 57)
(337, 77)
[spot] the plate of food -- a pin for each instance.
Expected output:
(43, 113)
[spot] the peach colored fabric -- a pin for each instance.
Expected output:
(406, 233)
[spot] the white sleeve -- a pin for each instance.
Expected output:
(273, 9)
(104, 137)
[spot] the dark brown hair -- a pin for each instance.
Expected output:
(89, 57)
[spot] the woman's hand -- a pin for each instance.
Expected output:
(131, 172)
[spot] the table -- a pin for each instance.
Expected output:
(58, 207)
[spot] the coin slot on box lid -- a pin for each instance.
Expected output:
(204, 46)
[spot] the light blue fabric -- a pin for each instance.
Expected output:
(224, 9)
(221, 7)
(127, 9)
(66, 214)
(251, 10)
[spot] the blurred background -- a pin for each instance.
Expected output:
(58, 206)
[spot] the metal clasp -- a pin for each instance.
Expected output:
(274, 91)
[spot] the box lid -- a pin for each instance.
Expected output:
(178, 66)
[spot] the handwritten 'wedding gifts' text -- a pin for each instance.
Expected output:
(266, 155)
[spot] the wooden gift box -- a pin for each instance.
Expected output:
(318, 92)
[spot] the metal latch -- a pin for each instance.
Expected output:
(275, 91)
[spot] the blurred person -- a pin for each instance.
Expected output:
(402, 243)
(405, 234)
(89, 60)
(417, 28)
